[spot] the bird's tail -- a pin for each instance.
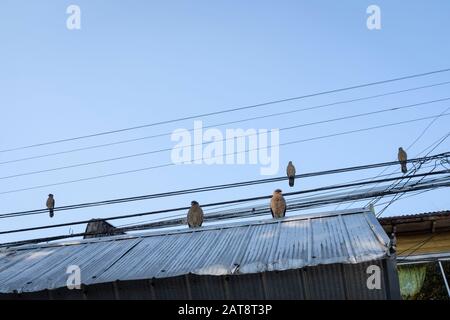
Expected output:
(291, 181)
(51, 213)
(404, 167)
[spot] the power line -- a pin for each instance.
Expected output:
(321, 193)
(395, 184)
(426, 129)
(227, 154)
(221, 124)
(384, 175)
(174, 222)
(397, 197)
(344, 197)
(438, 142)
(207, 205)
(213, 188)
(228, 110)
(221, 186)
(291, 205)
(373, 201)
(222, 140)
(297, 207)
(406, 197)
(248, 214)
(416, 247)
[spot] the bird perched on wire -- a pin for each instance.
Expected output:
(403, 158)
(51, 204)
(195, 215)
(278, 204)
(290, 171)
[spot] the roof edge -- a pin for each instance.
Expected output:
(186, 230)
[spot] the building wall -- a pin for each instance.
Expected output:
(423, 243)
(336, 281)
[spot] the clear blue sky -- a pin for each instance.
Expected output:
(138, 62)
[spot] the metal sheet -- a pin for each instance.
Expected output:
(347, 237)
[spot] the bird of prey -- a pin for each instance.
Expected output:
(278, 204)
(290, 171)
(195, 215)
(50, 204)
(402, 157)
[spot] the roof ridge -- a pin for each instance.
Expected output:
(153, 233)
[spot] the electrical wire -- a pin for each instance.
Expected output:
(414, 248)
(243, 200)
(420, 163)
(410, 146)
(222, 124)
(227, 154)
(134, 228)
(230, 110)
(219, 140)
(222, 186)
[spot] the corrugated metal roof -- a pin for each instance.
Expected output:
(433, 214)
(350, 236)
